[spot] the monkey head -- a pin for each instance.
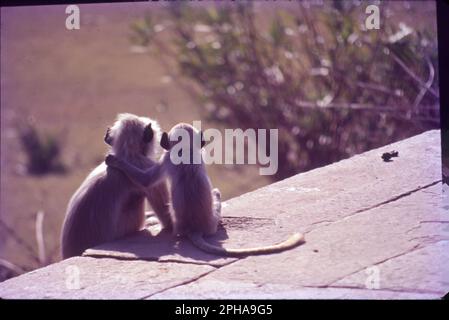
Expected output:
(131, 134)
(182, 139)
(184, 134)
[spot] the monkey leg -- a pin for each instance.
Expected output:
(216, 198)
(159, 199)
(132, 216)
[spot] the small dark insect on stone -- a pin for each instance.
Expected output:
(388, 155)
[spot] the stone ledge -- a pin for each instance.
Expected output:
(359, 215)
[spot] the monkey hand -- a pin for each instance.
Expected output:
(112, 161)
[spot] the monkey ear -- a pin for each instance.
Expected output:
(148, 133)
(107, 137)
(203, 142)
(164, 141)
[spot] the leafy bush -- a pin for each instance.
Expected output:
(142, 31)
(332, 88)
(42, 150)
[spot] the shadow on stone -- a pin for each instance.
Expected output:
(154, 245)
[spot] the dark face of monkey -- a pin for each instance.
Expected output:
(108, 137)
(167, 144)
(147, 137)
(185, 138)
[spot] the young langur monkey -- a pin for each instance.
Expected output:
(196, 207)
(108, 205)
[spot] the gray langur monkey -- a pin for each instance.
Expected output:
(108, 205)
(196, 206)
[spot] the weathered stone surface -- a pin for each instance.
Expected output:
(315, 198)
(244, 290)
(358, 214)
(100, 279)
(421, 270)
(389, 233)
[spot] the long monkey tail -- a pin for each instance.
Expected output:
(293, 241)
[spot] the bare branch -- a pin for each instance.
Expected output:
(40, 237)
(375, 87)
(428, 84)
(413, 75)
(354, 106)
(20, 241)
(374, 108)
(11, 266)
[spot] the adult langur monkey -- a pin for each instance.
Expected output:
(108, 205)
(196, 207)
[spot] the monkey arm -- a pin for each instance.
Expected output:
(146, 178)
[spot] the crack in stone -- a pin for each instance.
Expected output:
(322, 221)
(402, 195)
(430, 239)
(413, 228)
(434, 221)
(419, 291)
(178, 284)
(363, 210)
(414, 248)
(374, 264)
(188, 281)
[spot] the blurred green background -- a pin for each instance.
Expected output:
(310, 69)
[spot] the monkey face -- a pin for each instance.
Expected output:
(147, 139)
(148, 134)
(184, 144)
(178, 134)
(108, 137)
(165, 142)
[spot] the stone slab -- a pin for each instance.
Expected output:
(244, 290)
(357, 214)
(325, 195)
(425, 269)
(99, 279)
(352, 246)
